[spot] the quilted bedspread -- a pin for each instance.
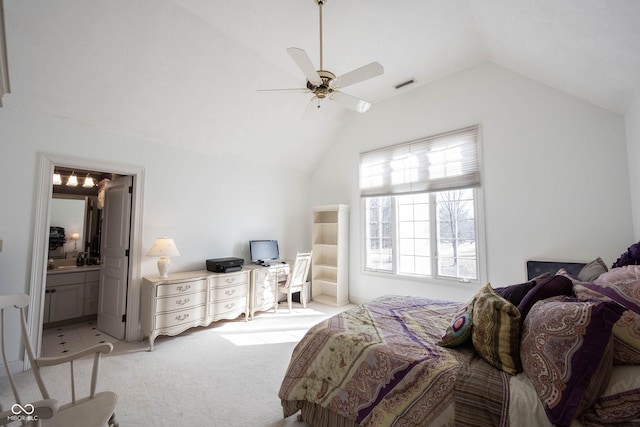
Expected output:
(378, 364)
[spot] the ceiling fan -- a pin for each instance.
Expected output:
(324, 84)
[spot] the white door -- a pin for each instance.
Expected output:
(114, 250)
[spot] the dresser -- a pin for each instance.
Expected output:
(264, 286)
(185, 300)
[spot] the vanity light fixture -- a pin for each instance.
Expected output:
(57, 179)
(164, 247)
(73, 180)
(88, 182)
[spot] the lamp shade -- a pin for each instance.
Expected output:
(75, 236)
(164, 246)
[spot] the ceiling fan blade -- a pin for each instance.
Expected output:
(358, 75)
(350, 101)
(304, 63)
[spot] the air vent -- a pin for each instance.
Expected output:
(403, 84)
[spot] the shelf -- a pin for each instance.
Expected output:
(326, 300)
(325, 281)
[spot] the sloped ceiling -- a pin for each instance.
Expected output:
(187, 72)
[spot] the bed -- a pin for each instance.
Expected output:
(555, 350)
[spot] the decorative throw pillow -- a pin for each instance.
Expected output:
(515, 293)
(567, 351)
(592, 270)
(630, 257)
(459, 330)
(496, 330)
(551, 287)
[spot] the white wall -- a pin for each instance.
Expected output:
(211, 206)
(632, 123)
(555, 178)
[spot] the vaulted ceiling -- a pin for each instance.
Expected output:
(188, 72)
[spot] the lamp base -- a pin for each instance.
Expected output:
(163, 266)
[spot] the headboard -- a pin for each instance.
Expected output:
(536, 268)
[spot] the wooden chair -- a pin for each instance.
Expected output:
(96, 409)
(296, 280)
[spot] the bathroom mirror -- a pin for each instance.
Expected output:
(81, 220)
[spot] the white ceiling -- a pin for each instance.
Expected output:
(187, 72)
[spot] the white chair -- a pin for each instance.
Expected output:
(96, 409)
(296, 280)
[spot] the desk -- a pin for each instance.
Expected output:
(264, 286)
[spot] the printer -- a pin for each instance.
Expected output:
(225, 265)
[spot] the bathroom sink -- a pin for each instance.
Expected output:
(65, 267)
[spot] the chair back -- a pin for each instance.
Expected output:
(44, 408)
(298, 276)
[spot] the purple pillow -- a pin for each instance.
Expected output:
(547, 288)
(630, 257)
(515, 293)
(566, 351)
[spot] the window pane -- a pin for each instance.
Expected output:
(413, 234)
(457, 253)
(379, 244)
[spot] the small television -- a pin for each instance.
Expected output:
(263, 250)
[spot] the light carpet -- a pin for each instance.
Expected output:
(227, 374)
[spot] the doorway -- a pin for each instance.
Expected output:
(48, 163)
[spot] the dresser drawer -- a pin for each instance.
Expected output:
(181, 288)
(178, 302)
(224, 293)
(238, 305)
(230, 279)
(177, 318)
(264, 293)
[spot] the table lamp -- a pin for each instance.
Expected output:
(164, 247)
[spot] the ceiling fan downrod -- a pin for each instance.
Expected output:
(320, 4)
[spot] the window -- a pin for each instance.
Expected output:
(421, 207)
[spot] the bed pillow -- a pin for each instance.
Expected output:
(627, 328)
(459, 330)
(551, 287)
(515, 293)
(592, 270)
(496, 331)
(620, 401)
(619, 274)
(567, 352)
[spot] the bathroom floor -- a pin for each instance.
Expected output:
(59, 340)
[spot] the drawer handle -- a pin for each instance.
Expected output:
(230, 292)
(183, 288)
(230, 305)
(182, 301)
(230, 279)
(181, 317)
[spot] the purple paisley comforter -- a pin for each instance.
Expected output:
(378, 365)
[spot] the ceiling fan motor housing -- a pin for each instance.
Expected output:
(323, 90)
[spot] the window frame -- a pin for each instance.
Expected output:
(434, 276)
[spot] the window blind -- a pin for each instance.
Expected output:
(447, 161)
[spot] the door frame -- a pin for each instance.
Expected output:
(47, 163)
